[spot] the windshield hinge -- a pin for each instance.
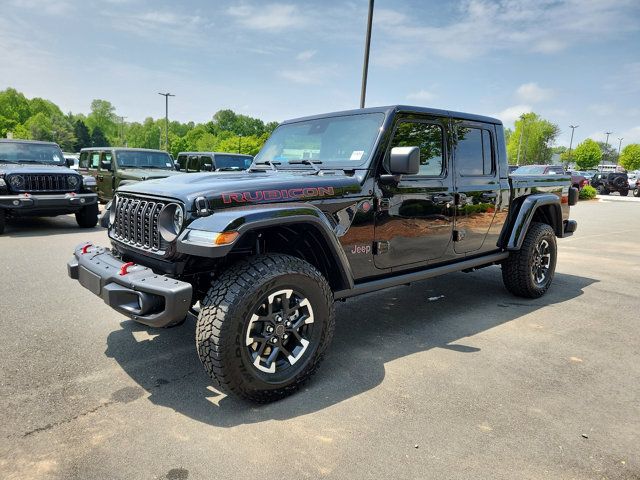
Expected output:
(202, 207)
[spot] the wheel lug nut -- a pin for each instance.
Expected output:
(285, 336)
(269, 329)
(274, 340)
(288, 324)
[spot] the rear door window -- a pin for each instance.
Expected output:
(95, 160)
(474, 151)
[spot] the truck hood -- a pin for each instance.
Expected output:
(146, 173)
(32, 168)
(223, 189)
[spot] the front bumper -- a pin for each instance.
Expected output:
(65, 201)
(138, 293)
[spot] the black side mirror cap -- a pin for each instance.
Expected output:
(69, 162)
(105, 165)
(404, 161)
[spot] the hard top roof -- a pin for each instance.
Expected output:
(404, 109)
(215, 153)
(123, 149)
(17, 140)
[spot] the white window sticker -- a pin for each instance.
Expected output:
(56, 158)
(357, 155)
(168, 164)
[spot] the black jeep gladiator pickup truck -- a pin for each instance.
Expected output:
(333, 206)
(35, 181)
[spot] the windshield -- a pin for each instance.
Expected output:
(233, 161)
(530, 170)
(345, 139)
(19, 152)
(142, 159)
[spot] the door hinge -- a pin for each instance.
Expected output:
(383, 204)
(381, 247)
(458, 235)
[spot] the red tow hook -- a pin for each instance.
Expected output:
(85, 248)
(125, 266)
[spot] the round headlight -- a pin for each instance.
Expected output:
(16, 181)
(73, 181)
(178, 219)
(170, 221)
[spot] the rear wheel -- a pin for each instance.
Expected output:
(602, 190)
(529, 271)
(624, 193)
(3, 220)
(264, 326)
(636, 192)
(87, 217)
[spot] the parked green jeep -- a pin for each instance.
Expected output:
(113, 167)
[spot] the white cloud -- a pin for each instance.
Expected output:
(58, 7)
(631, 135)
(421, 96)
(602, 109)
(306, 55)
(533, 93)
(511, 114)
(272, 17)
(482, 27)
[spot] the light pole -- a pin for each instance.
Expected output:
(619, 145)
(365, 66)
(573, 128)
(166, 118)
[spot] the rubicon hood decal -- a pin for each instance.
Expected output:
(285, 194)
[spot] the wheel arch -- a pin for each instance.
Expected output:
(299, 230)
(541, 208)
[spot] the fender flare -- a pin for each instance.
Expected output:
(520, 225)
(248, 219)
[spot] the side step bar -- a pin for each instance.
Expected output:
(403, 279)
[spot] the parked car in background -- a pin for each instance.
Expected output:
(512, 168)
(633, 177)
(35, 181)
(607, 182)
(578, 181)
(113, 167)
(636, 188)
(212, 161)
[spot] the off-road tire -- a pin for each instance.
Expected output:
(518, 268)
(225, 316)
(624, 193)
(636, 192)
(602, 190)
(3, 220)
(87, 217)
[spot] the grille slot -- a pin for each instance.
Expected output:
(136, 223)
(49, 183)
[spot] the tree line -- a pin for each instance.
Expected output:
(40, 119)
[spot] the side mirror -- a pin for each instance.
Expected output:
(105, 165)
(69, 162)
(404, 161)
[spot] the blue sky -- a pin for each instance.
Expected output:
(573, 62)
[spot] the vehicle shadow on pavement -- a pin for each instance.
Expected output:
(371, 330)
(40, 226)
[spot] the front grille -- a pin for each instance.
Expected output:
(48, 183)
(136, 223)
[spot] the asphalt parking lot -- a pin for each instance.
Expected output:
(447, 378)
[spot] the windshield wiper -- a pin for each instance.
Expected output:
(8, 161)
(311, 163)
(271, 163)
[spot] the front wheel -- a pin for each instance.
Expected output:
(529, 271)
(3, 220)
(624, 193)
(264, 326)
(87, 217)
(636, 192)
(602, 190)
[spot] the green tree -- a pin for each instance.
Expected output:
(609, 153)
(533, 137)
(98, 138)
(103, 116)
(630, 157)
(14, 106)
(83, 138)
(40, 127)
(587, 155)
